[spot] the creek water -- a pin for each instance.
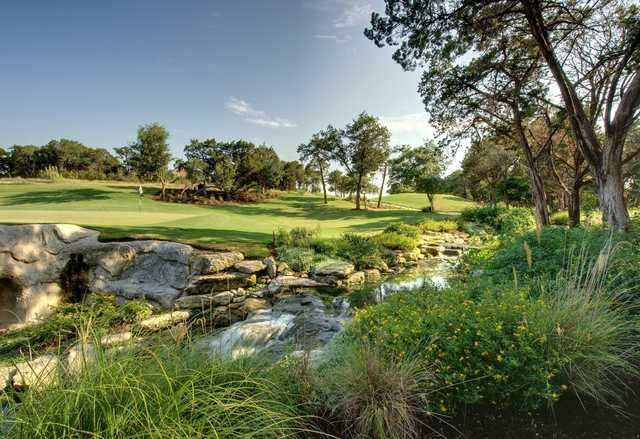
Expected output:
(308, 321)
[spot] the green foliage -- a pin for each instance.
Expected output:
(397, 241)
(295, 237)
(435, 225)
(513, 220)
(362, 251)
(168, 391)
(63, 325)
(412, 164)
(514, 190)
(327, 247)
(488, 350)
(553, 249)
(299, 259)
(400, 237)
(371, 396)
(149, 155)
(560, 218)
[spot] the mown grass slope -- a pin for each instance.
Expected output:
(444, 203)
(117, 212)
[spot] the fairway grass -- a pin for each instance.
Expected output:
(444, 203)
(116, 211)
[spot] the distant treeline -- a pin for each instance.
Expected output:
(72, 159)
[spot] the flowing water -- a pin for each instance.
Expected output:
(307, 322)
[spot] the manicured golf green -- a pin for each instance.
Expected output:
(444, 203)
(117, 212)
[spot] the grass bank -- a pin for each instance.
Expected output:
(116, 211)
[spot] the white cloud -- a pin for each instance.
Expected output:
(336, 38)
(355, 14)
(410, 128)
(257, 117)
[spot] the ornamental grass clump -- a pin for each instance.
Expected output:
(369, 395)
(165, 392)
(593, 329)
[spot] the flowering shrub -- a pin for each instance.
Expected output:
(490, 350)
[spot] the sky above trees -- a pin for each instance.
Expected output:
(267, 71)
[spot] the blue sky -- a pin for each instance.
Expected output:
(273, 71)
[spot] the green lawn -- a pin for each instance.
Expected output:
(444, 203)
(115, 210)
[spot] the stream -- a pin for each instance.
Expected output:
(308, 321)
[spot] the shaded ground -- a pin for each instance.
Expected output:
(116, 210)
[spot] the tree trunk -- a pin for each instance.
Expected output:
(430, 199)
(574, 206)
(163, 183)
(358, 189)
(384, 175)
(538, 193)
(607, 177)
(324, 188)
(611, 196)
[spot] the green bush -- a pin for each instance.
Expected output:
(397, 241)
(370, 396)
(482, 351)
(327, 247)
(296, 237)
(361, 251)
(482, 215)
(298, 259)
(560, 218)
(513, 220)
(490, 342)
(403, 229)
(166, 392)
(434, 225)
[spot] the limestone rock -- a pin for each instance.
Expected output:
(339, 270)
(204, 301)
(372, 274)
(290, 283)
(250, 267)
(272, 267)
(116, 339)
(209, 263)
(283, 268)
(225, 281)
(356, 278)
(6, 377)
(250, 305)
(37, 373)
(162, 321)
(81, 356)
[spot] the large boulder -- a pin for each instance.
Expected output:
(42, 264)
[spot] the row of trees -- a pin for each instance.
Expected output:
(71, 158)
(361, 149)
(560, 79)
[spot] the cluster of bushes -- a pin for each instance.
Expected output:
(512, 220)
(302, 249)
